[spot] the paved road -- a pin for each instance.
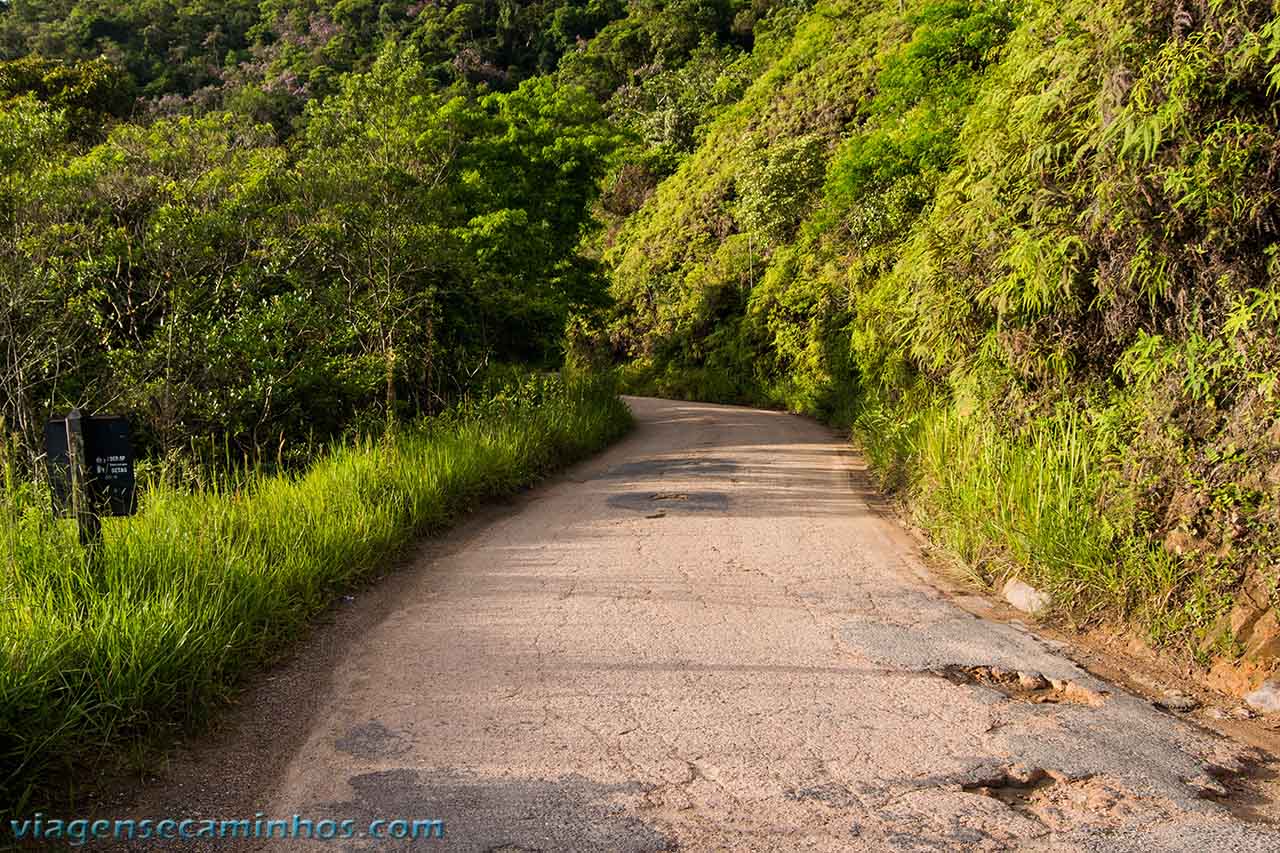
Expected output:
(709, 638)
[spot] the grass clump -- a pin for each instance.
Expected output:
(1029, 505)
(182, 600)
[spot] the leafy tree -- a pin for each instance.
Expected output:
(776, 193)
(39, 335)
(452, 224)
(377, 178)
(91, 94)
(531, 177)
(669, 107)
(176, 223)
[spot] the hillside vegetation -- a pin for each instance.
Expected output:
(213, 282)
(1029, 252)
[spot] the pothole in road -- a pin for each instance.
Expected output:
(1024, 686)
(1058, 801)
(664, 502)
(372, 740)
(1017, 788)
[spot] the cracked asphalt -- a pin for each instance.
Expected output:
(709, 637)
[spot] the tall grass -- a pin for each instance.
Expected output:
(1031, 504)
(182, 600)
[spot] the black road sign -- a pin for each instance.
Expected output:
(108, 459)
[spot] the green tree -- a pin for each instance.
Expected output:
(175, 232)
(39, 337)
(377, 179)
(91, 94)
(532, 175)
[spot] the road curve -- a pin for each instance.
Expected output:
(706, 638)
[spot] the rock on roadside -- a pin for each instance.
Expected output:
(1176, 700)
(1266, 698)
(1025, 597)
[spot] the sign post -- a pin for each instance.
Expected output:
(81, 505)
(90, 465)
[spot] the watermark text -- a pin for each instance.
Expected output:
(80, 831)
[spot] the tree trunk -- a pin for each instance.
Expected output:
(389, 354)
(430, 365)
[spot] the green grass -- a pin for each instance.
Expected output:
(199, 589)
(1033, 505)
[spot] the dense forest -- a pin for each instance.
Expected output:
(1027, 252)
(274, 223)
